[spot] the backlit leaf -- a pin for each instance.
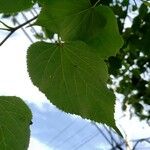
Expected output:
(12, 6)
(79, 20)
(73, 78)
(15, 118)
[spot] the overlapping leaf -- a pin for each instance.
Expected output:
(15, 118)
(73, 78)
(79, 20)
(12, 6)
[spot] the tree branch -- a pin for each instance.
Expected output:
(126, 13)
(141, 140)
(15, 29)
(102, 133)
(8, 27)
(24, 31)
(96, 3)
(5, 29)
(135, 3)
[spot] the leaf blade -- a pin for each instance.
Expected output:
(13, 6)
(73, 78)
(73, 20)
(15, 118)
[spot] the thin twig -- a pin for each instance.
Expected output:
(15, 29)
(24, 31)
(109, 132)
(141, 140)
(5, 39)
(135, 3)
(126, 14)
(9, 28)
(5, 29)
(26, 19)
(102, 133)
(113, 141)
(96, 3)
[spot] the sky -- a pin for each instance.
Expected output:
(53, 129)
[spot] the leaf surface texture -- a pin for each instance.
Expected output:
(15, 118)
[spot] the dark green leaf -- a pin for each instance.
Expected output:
(12, 6)
(138, 107)
(15, 118)
(118, 11)
(145, 43)
(143, 11)
(125, 2)
(134, 8)
(74, 20)
(73, 78)
(114, 64)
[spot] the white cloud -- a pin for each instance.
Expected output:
(35, 144)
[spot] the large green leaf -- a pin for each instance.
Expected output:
(79, 20)
(12, 6)
(15, 118)
(73, 78)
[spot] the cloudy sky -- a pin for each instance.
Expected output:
(52, 129)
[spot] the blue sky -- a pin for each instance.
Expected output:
(52, 129)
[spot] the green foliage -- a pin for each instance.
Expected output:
(96, 26)
(135, 58)
(12, 6)
(73, 74)
(114, 64)
(15, 119)
(147, 3)
(73, 78)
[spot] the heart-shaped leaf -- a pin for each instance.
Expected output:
(73, 78)
(15, 118)
(79, 20)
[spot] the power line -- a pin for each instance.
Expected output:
(97, 127)
(62, 131)
(34, 10)
(13, 30)
(26, 19)
(25, 32)
(67, 139)
(113, 140)
(86, 141)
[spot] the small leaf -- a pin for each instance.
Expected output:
(15, 118)
(114, 65)
(125, 2)
(12, 6)
(74, 20)
(73, 78)
(143, 10)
